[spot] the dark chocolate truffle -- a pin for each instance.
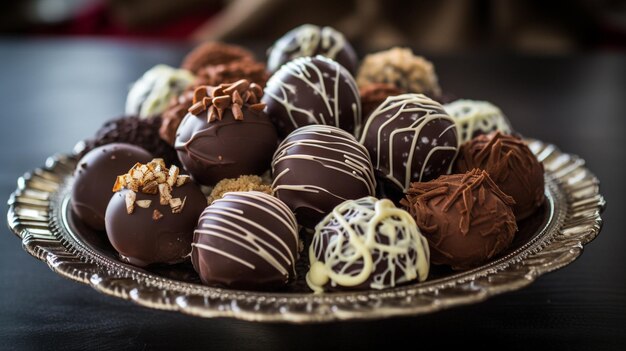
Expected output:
(151, 217)
(226, 133)
(246, 240)
(313, 90)
(366, 244)
(94, 177)
(213, 53)
(474, 118)
(410, 138)
(311, 40)
(466, 218)
(318, 167)
(374, 94)
(511, 165)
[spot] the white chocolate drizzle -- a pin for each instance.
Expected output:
(473, 116)
(367, 241)
(308, 40)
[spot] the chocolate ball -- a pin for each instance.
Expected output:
(366, 244)
(313, 90)
(214, 53)
(145, 227)
(409, 138)
(511, 165)
(466, 218)
(474, 118)
(94, 178)
(318, 167)
(311, 40)
(246, 240)
(226, 133)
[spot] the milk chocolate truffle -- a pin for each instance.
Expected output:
(511, 165)
(318, 167)
(151, 217)
(466, 218)
(230, 72)
(213, 53)
(372, 95)
(474, 118)
(401, 68)
(366, 244)
(409, 138)
(246, 240)
(94, 177)
(311, 40)
(226, 133)
(313, 90)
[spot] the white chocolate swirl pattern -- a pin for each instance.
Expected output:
(475, 117)
(367, 243)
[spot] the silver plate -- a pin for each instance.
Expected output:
(38, 214)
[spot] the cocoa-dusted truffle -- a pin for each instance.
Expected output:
(213, 53)
(474, 118)
(226, 133)
(230, 72)
(318, 167)
(410, 138)
(312, 40)
(151, 217)
(243, 183)
(403, 69)
(94, 177)
(372, 95)
(246, 240)
(466, 218)
(313, 90)
(366, 244)
(511, 165)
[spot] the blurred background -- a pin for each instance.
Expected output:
(434, 26)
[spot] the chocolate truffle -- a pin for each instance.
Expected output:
(311, 40)
(318, 167)
(366, 244)
(226, 133)
(230, 72)
(372, 95)
(150, 95)
(511, 165)
(409, 138)
(94, 177)
(466, 218)
(246, 240)
(213, 53)
(313, 90)
(151, 217)
(243, 183)
(474, 118)
(401, 68)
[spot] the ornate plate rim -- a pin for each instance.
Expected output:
(35, 215)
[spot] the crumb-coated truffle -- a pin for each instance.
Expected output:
(466, 218)
(474, 118)
(511, 165)
(226, 133)
(151, 217)
(318, 167)
(243, 183)
(94, 177)
(374, 94)
(312, 40)
(230, 72)
(366, 244)
(246, 240)
(213, 53)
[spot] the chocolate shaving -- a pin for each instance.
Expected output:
(234, 96)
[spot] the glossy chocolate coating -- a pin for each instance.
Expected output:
(142, 240)
(466, 218)
(313, 90)
(94, 178)
(246, 240)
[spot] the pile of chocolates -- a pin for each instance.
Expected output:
(247, 170)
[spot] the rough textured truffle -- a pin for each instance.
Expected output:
(246, 240)
(243, 183)
(474, 118)
(230, 72)
(372, 95)
(313, 90)
(94, 177)
(410, 138)
(311, 40)
(466, 218)
(403, 69)
(226, 133)
(318, 167)
(213, 53)
(366, 244)
(131, 130)
(511, 165)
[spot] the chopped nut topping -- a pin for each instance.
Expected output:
(164, 194)
(143, 203)
(215, 100)
(130, 201)
(156, 215)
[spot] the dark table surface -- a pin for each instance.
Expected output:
(55, 92)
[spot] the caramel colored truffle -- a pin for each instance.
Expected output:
(374, 94)
(511, 165)
(243, 183)
(230, 72)
(466, 218)
(214, 53)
